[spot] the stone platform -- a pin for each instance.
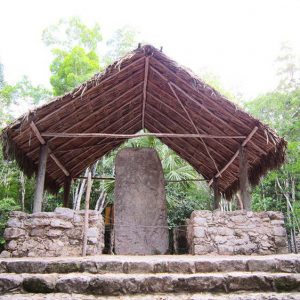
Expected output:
(152, 277)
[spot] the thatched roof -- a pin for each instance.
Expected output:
(172, 100)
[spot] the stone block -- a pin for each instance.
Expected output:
(37, 232)
(36, 222)
(13, 233)
(54, 233)
(199, 232)
(92, 232)
(61, 223)
(15, 223)
(64, 213)
(279, 231)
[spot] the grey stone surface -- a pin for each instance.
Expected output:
(236, 232)
(56, 233)
(140, 203)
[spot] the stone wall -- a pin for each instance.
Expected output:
(57, 233)
(237, 232)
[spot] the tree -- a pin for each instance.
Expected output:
(70, 69)
(288, 68)
(74, 47)
(124, 40)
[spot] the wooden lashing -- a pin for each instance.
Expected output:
(86, 213)
(235, 155)
(217, 194)
(67, 188)
(145, 90)
(243, 178)
(40, 179)
(43, 142)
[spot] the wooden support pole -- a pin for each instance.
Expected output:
(86, 213)
(235, 155)
(217, 195)
(244, 182)
(67, 188)
(40, 179)
(43, 142)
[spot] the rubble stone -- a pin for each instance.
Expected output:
(236, 232)
(56, 233)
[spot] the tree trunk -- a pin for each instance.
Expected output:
(40, 179)
(244, 183)
(23, 190)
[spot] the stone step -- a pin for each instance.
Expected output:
(187, 264)
(126, 284)
(181, 296)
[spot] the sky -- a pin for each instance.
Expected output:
(238, 40)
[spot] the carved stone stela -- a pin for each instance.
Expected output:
(140, 203)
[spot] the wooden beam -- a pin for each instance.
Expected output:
(128, 136)
(203, 107)
(175, 112)
(43, 142)
(235, 155)
(95, 178)
(243, 179)
(96, 113)
(166, 181)
(217, 194)
(71, 101)
(193, 124)
(40, 179)
(67, 189)
(145, 90)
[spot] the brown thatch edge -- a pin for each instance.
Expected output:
(274, 160)
(11, 152)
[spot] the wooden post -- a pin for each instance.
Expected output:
(67, 188)
(217, 195)
(86, 213)
(244, 182)
(40, 179)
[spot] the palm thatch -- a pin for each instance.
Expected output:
(145, 89)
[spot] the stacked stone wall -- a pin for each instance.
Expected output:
(237, 232)
(58, 233)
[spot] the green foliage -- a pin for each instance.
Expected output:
(6, 206)
(123, 40)
(74, 46)
(70, 69)
(69, 33)
(288, 68)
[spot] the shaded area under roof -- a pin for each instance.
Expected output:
(145, 89)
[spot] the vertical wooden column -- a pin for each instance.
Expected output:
(67, 188)
(40, 179)
(217, 195)
(86, 213)
(244, 182)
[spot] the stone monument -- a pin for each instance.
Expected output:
(140, 203)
